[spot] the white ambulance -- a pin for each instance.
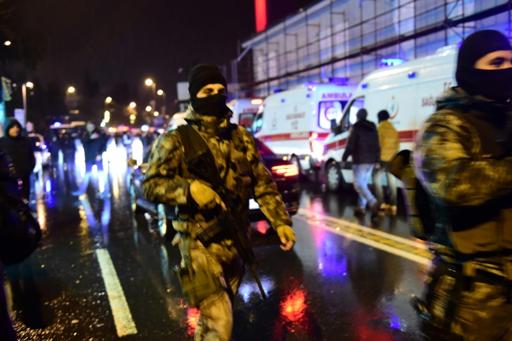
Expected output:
(244, 110)
(294, 123)
(408, 91)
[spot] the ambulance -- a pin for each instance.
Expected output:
(408, 91)
(295, 122)
(244, 110)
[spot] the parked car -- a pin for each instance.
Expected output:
(285, 173)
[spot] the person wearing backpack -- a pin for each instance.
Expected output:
(206, 171)
(463, 159)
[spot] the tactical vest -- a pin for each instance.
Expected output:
(237, 177)
(484, 230)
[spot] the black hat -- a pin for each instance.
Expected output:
(474, 47)
(383, 115)
(204, 74)
(362, 114)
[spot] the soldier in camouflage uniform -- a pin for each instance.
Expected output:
(168, 180)
(463, 158)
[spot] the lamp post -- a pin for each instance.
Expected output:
(132, 112)
(150, 83)
(71, 90)
(24, 87)
(161, 93)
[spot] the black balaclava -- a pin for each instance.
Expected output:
(492, 84)
(214, 105)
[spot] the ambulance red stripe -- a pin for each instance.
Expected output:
(291, 136)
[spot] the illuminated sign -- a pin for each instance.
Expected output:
(337, 95)
(260, 10)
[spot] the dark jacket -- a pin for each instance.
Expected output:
(363, 143)
(19, 149)
(94, 145)
(464, 159)
(8, 178)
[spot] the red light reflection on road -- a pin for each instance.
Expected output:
(193, 316)
(293, 306)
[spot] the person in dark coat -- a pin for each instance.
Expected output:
(67, 145)
(363, 146)
(19, 148)
(94, 143)
(8, 184)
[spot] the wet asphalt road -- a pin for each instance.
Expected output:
(329, 288)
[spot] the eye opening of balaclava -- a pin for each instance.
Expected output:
(213, 105)
(492, 84)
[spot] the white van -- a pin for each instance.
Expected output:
(244, 110)
(408, 91)
(294, 123)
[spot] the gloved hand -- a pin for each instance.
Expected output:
(287, 237)
(204, 196)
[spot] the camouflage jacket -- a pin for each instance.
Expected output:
(167, 178)
(463, 157)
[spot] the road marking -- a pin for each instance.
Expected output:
(406, 248)
(120, 310)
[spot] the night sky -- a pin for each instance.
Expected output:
(113, 41)
(108, 47)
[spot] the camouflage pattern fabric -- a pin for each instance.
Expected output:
(463, 158)
(451, 161)
(466, 174)
(238, 161)
(460, 310)
(167, 178)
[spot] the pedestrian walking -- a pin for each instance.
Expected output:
(363, 147)
(389, 142)
(207, 171)
(94, 143)
(463, 158)
(19, 148)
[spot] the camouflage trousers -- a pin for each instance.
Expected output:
(221, 260)
(462, 308)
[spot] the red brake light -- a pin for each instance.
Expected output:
(285, 170)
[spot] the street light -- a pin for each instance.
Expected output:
(108, 100)
(132, 105)
(7, 43)
(24, 87)
(156, 113)
(71, 90)
(149, 82)
(149, 108)
(160, 92)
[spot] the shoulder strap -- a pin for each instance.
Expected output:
(198, 156)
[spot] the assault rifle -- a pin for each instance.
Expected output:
(201, 164)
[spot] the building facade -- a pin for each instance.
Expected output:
(350, 38)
